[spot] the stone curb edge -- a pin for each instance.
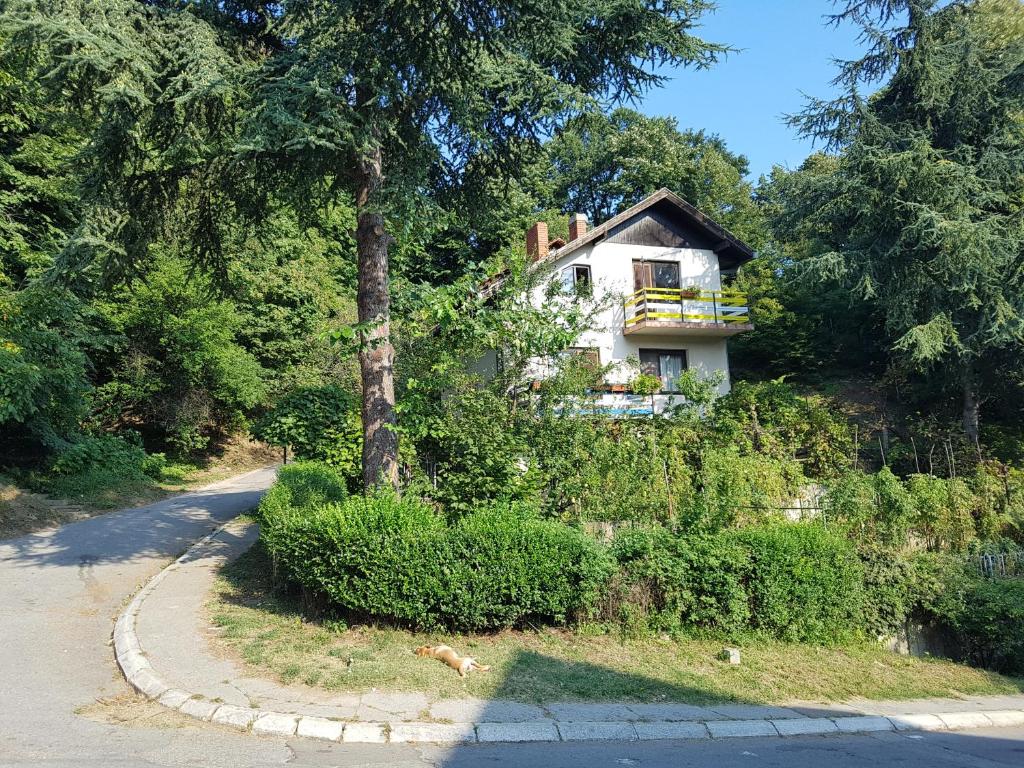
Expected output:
(141, 676)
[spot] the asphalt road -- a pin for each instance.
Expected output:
(64, 704)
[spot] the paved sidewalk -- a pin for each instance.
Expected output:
(161, 645)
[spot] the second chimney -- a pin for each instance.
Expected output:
(577, 226)
(537, 241)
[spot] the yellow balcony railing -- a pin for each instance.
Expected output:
(681, 305)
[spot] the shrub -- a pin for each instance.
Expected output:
(400, 560)
(984, 618)
(796, 582)
(478, 455)
(732, 488)
(804, 583)
(300, 485)
(942, 511)
(510, 565)
(873, 508)
(108, 453)
(892, 590)
(770, 418)
(680, 582)
(320, 424)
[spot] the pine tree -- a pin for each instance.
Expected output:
(925, 212)
(212, 105)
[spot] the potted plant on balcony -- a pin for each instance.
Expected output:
(690, 292)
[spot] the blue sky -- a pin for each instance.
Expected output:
(786, 48)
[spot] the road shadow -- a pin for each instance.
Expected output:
(909, 750)
(164, 529)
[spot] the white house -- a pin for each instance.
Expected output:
(667, 270)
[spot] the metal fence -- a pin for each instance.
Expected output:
(1001, 564)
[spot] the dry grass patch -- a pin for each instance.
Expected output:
(265, 629)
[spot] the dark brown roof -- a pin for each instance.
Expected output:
(727, 243)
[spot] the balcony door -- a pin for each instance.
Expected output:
(655, 274)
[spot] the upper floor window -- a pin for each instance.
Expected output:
(576, 278)
(655, 274)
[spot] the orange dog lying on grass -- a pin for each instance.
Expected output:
(461, 664)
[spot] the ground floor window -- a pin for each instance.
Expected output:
(667, 364)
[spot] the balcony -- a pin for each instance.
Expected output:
(675, 311)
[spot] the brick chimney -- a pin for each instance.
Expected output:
(577, 226)
(537, 241)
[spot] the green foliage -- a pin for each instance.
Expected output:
(875, 507)
(301, 485)
(943, 510)
(38, 138)
(770, 419)
(672, 582)
(984, 617)
(892, 589)
(318, 423)
(476, 456)
(109, 454)
(805, 583)
(515, 566)
(946, 514)
(806, 326)
(42, 365)
(399, 560)
(795, 582)
(645, 384)
(177, 370)
(732, 488)
(603, 164)
(291, 283)
(922, 217)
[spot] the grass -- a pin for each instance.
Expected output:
(265, 628)
(33, 501)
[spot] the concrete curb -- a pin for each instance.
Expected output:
(141, 676)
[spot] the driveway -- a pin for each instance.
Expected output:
(63, 702)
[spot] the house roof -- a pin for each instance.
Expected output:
(726, 244)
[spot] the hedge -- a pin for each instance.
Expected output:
(795, 582)
(399, 560)
(299, 485)
(804, 583)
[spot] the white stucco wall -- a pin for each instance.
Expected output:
(611, 269)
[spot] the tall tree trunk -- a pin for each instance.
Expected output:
(971, 407)
(376, 355)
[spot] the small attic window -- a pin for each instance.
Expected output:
(576, 278)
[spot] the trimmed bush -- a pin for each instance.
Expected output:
(399, 560)
(302, 484)
(796, 582)
(680, 582)
(805, 583)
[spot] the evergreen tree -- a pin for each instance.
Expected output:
(925, 213)
(199, 103)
